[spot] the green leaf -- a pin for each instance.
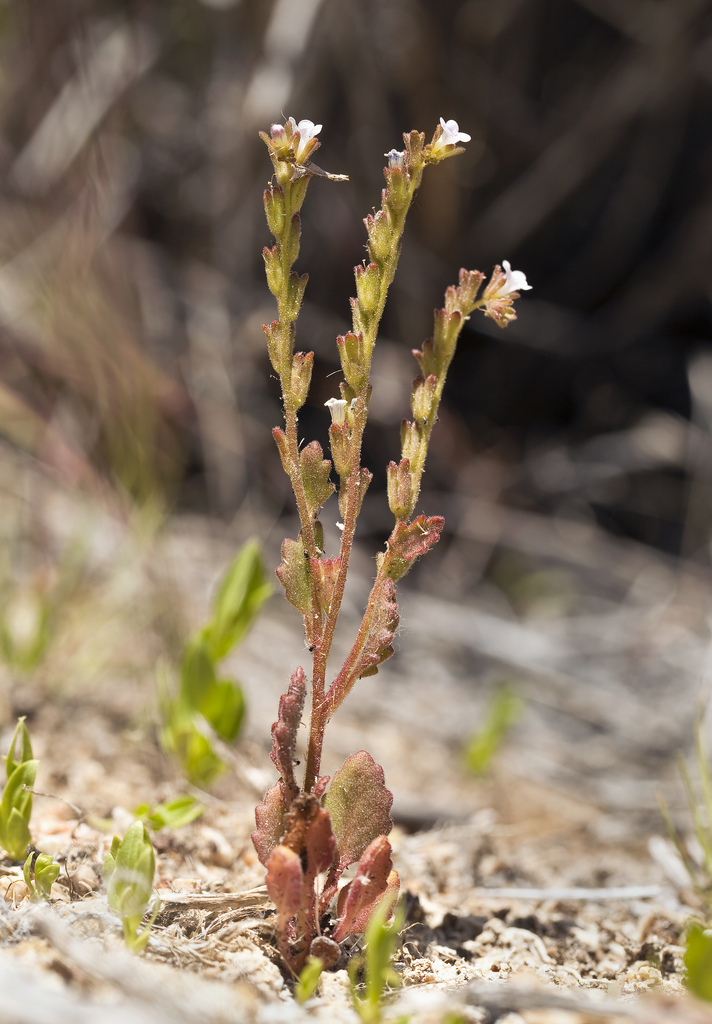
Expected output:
(315, 470)
(23, 735)
(224, 707)
(16, 836)
(128, 872)
(197, 674)
(698, 962)
(308, 981)
(504, 710)
(293, 574)
(175, 813)
(243, 591)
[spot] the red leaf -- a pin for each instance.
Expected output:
(269, 817)
(284, 883)
(410, 540)
(373, 644)
(375, 880)
(284, 732)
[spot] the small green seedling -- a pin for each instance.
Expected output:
(175, 813)
(380, 942)
(698, 962)
(504, 709)
(309, 978)
(209, 708)
(40, 873)
(129, 869)
(16, 804)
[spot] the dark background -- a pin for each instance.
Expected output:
(132, 287)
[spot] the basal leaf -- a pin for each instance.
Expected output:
(359, 805)
(375, 881)
(269, 818)
(284, 732)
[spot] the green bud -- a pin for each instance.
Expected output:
(273, 269)
(274, 343)
(302, 363)
(427, 359)
(379, 236)
(274, 210)
(423, 398)
(445, 334)
(340, 441)
(295, 292)
(368, 287)
(410, 439)
(396, 198)
(354, 362)
(399, 487)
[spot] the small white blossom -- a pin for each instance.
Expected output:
(396, 159)
(337, 408)
(451, 134)
(307, 131)
(516, 280)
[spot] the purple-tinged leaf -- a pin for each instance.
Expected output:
(310, 835)
(375, 880)
(284, 732)
(293, 574)
(269, 817)
(359, 805)
(284, 883)
(410, 540)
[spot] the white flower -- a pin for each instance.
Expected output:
(451, 134)
(307, 131)
(516, 281)
(396, 159)
(337, 408)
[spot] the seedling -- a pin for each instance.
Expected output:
(379, 978)
(698, 962)
(129, 869)
(175, 813)
(504, 709)
(16, 804)
(309, 832)
(40, 872)
(208, 707)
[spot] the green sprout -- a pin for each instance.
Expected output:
(504, 709)
(308, 980)
(380, 942)
(209, 709)
(698, 962)
(40, 872)
(175, 813)
(16, 803)
(128, 875)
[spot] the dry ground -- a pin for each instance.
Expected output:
(535, 894)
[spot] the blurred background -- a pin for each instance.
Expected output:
(572, 460)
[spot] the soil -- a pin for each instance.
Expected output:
(545, 891)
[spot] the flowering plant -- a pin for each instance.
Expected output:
(311, 832)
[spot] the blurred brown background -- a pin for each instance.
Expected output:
(131, 280)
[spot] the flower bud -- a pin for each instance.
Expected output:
(410, 440)
(353, 360)
(368, 287)
(290, 243)
(274, 210)
(272, 333)
(399, 488)
(396, 198)
(340, 442)
(273, 269)
(427, 359)
(302, 363)
(423, 398)
(295, 291)
(379, 236)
